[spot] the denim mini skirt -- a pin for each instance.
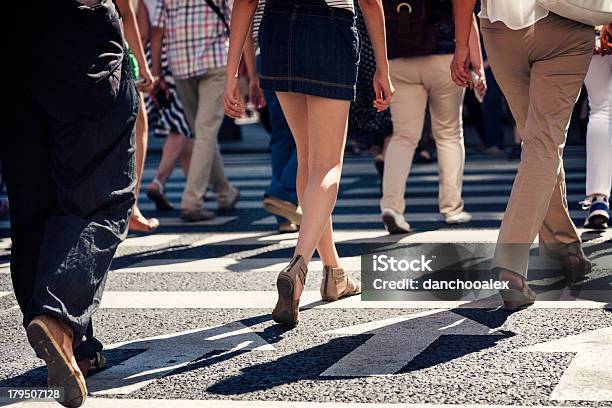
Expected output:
(310, 48)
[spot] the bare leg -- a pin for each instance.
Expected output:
(319, 127)
(173, 149)
(137, 221)
(186, 155)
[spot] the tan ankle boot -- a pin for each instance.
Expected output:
(290, 285)
(337, 284)
(51, 339)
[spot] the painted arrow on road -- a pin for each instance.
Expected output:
(169, 352)
(397, 341)
(589, 375)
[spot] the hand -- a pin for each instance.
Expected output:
(606, 40)
(255, 93)
(147, 80)
(383, 90)
(480, 87)
(232, 101)
(459, 67)
(160, 86)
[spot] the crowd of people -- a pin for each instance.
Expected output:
(325, 68)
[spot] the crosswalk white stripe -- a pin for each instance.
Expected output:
(223, 265)
(309, 300)
(370, 202)
(177, 222)
(411, 217)
(149, 240)
(263, 181)
(467, 188)
(158, 403)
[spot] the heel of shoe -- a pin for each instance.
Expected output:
(286, 309)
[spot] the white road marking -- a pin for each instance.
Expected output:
(589, 375)
(311, 299)
(411, 217)
(226, 265)
(388, 351)
(149, 240)
(5, 243)
(371, 202)
(177, 222)
(378, 236)
(158, 403)
(169, 352)
(467, 188)
(3, 294)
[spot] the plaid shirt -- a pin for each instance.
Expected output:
(196, 38)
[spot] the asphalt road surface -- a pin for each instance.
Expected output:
(186, 313)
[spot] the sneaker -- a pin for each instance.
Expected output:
(394, 222)
(283, 208)
(599, 209)
(196, 215)
(155, 192)
(227, 200)
(460, 218)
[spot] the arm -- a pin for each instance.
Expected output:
(476, 58)
(375, 22)
(142, 17)
(242, 16)
(463, 11)
(255, 92)
(132, 35)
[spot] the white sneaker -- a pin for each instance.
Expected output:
(459, 218)
(394, 222)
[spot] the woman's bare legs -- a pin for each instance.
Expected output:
(172, 151)
(319, 127)
(137, 221)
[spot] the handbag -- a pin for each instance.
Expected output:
(590, 12)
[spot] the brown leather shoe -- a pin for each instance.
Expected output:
(287, 227)
(90, 366)
(51, 339)
(519, 296)
(283, 209)
(290, 285)
(337, 284)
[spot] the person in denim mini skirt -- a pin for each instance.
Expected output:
(309, 57)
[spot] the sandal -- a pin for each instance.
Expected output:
(516, 298)
(156, 194)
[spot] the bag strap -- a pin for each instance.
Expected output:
(218, 12)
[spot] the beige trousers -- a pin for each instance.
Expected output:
(203, 107)
(420, 81)
(540, 70)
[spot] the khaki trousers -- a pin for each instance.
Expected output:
(203, 107)
(540, 70)
(419, 81)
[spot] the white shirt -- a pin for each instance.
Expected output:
(516, 14)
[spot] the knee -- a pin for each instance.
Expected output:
(325, 174)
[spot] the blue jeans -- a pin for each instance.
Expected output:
(283, 153)
(492, 113)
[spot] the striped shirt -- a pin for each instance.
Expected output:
(196, 38)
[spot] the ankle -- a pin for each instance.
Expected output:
(514, 279)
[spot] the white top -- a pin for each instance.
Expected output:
(516, 14)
